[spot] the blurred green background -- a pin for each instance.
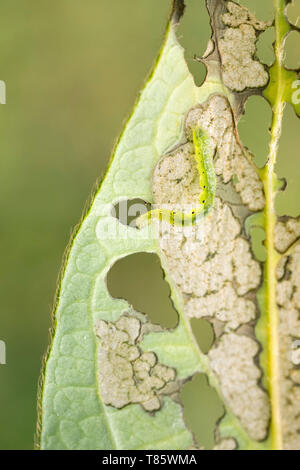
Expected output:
(73, 69)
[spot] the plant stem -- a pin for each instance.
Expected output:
(270, 280)
(273, 257)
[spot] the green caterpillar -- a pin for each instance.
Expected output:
(207, 181)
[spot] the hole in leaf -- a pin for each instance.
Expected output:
(202, 408)
(265, 49)
(128, 210)
(288, 201)
(138, 278)
(204, 333)
(293, 13)
(254, 128)
(258, 237)
(291, 50)
(193, 34)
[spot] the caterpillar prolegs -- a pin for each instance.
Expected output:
(207, 180)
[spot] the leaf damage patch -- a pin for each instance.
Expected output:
(233, 361)
(237, 48)
(226, 444)
(214, 269)
(286, 233)
(126, 373)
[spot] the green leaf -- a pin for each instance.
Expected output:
(73, 416)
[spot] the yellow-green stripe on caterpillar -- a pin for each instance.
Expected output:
(207, 180)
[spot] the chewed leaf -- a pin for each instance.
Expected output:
(236, 43)
(126, 374)
(113, 379)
